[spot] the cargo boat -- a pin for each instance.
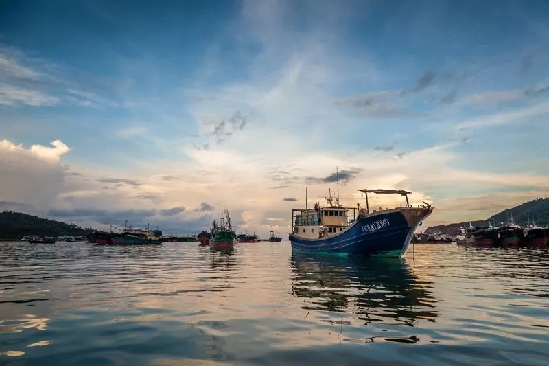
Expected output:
(508, 234)
(128, 236)
(536, 236)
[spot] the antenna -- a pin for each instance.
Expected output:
(337, 182)
(305, 198)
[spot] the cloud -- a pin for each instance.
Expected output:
(384, 148)
(130, 182)
(492, 97)
(168, 220)
(11, 68)
(18, 207)
(169, 177)
(536, 90)
(31, 176)
(503, 118)
(426, 80)
(289, 199)
(343, 176)
(11, 95)
(172, 211)
(449, 98)
(385, 103)
(39, 83)
(205, 207)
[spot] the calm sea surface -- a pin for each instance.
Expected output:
(179, 304)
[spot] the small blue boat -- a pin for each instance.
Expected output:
(384, 232)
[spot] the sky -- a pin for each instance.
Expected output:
(168, 112)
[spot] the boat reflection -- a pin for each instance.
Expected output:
(223, 259)
(374, 290)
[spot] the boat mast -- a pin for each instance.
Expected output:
(337, 184)
(305, 198)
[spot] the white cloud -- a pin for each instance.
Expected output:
(11, 95)
(52, 154)
(32, 177)
(493, 97)
(10, 67)
(35, 82)
(506, 117)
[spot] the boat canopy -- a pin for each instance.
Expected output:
(384, 191)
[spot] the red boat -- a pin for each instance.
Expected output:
(204, 238)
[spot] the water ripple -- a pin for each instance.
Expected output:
(180, 304)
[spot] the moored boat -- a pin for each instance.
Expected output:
(485, 236)
(274, 238)
(128, 236)
(507, 234)
(536, 236)
(204, 238)
(466, 235)
(384, 232)
(245, 238)
(99, 237)
(42, 239)
(223, 235)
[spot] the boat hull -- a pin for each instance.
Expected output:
(536, 242)
(132, 240)
(538, 237)
(223, 239)
(222, 244)
(382, 234)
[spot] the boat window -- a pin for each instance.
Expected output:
(340, 229)
(312, 230)
(303, 230)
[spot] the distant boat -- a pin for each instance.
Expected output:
(204, 238)
(42, 239)
(273, 237)
(128, 236)
(507, 234)
(536, 236)
(245, 238)
(223, 235)
(384, 232)
(466, 236)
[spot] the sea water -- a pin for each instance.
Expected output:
(181, 304)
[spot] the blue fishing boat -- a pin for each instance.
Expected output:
(384, 232)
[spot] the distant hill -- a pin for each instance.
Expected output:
(14, 225)
(537, 210)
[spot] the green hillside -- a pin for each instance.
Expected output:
(537, 210)
(14, 225)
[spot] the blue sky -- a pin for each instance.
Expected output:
(240, 103)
